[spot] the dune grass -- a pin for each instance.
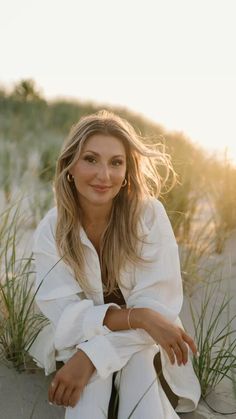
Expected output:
(19, 323)
(224, 203)
(214, 336)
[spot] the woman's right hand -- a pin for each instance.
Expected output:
(172, 338)
(70, 380)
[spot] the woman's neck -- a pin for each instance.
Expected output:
(95, 225)
(93, 216)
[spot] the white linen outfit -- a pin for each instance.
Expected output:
(76, 321)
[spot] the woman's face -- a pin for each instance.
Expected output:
(100, 170)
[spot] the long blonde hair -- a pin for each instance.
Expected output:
(119, 242)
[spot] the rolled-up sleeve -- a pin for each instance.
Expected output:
(111, 352)
(158, 284)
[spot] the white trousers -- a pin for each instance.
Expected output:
(140, 393)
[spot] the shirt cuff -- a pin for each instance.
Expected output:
(93, 320)
(43, 351)
(102, 354)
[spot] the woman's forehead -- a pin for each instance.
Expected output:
(100, 143)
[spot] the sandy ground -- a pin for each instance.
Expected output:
(24, 396)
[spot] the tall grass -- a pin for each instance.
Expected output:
(6, 169)
(214, 336)
(19, 323)
(183, 200)
(39, 201)
(222, 193)
(195, 251)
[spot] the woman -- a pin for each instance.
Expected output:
(109, 281)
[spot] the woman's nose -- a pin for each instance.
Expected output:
(104, 172)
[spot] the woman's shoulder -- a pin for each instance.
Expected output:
(154, 218)
(152, 210)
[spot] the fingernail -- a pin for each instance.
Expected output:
(197, 354)
(51, 404)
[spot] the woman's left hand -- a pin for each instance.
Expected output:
(70, 380)
(172, 338)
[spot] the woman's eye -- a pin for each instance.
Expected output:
(117, 162)
(90, 159)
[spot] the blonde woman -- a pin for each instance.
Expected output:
(109, 281)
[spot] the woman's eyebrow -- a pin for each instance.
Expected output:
(97, 154)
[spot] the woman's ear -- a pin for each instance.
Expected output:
(71, 171)
(70, 177)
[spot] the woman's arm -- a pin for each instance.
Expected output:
(71, 379)
(172, 338)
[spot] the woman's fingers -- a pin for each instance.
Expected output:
(171, 337)
(67, 396)
(184, 351)
(58, 396)
(178, 349)
(190, 342)
(52, 389)
(181, 348)
(178, 354)
(74, 398)
(59, 393)
(170, 354)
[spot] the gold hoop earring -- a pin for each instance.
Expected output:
(124, 183)
(69, 177)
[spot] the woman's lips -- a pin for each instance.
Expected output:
(101, 188)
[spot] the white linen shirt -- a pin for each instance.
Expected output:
(76, 317)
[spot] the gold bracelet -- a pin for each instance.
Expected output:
(128, 318)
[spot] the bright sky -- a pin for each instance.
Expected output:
(172, 60)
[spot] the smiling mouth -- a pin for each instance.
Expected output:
(101, 188)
